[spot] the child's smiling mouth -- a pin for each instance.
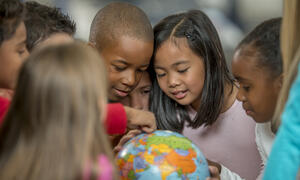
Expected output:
(179, 94)
(121, 93)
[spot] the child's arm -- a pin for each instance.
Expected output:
(214, 173)
(223, 172)
(4, 105)
(130, 134)
(139, 119)
(120, 117)
(284, 160)
(227, 174)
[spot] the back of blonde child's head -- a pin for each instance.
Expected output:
(290, 46)
(54, 127)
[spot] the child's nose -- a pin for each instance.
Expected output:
(129, 79)
(173, 81)
(136, 103)
(240, 96)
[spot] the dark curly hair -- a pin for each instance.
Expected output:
(42, 21)
(264, 41)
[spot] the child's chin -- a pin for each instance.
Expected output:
(182, 102)
(260, 120)
(114, 98)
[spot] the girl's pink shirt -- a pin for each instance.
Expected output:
(105, 169)
(230, 141)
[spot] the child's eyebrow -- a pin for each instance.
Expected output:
(21, 42)
(158, 67)
(241, 79)
(146, 86)
(180, 62)
(120, 61)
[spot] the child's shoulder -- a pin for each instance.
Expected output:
(235, 109)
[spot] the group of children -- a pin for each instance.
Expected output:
(57, 123)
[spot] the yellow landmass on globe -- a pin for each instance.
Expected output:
(131, 158)
(139, 170)
(149, 158)
(163, 148)
(166, 169)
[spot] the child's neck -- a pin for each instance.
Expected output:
(229, 96)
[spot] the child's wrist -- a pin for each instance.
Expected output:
(129, 113)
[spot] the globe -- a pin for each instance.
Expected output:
(161, 155)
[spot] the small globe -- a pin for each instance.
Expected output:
(161, 155)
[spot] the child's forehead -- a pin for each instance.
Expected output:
(128, 43)
(247, 53)
(130, 38)
(129, 50)
(246, 60)
(247, 69)
(18, 37)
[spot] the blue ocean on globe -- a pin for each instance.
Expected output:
(162, 155)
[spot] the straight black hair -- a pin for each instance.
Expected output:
(204, 41)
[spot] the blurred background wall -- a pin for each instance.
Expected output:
(232, 18)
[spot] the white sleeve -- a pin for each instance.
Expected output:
(226, 174)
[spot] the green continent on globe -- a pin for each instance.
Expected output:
(131, 175)
(174, 142)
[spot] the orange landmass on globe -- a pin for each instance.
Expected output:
(185, 163)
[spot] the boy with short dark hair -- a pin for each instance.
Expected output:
(123, 35)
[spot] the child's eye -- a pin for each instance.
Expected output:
(146, 90)
(117, 68)
(21, 51)
(183, 70)
(161, 75)
(246, 88)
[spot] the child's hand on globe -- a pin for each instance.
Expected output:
(214, 173)
(215, 164)
(130, 134)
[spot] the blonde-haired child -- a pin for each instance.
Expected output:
(53, 129)
(284, 160)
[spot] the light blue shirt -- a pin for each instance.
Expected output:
(284, 160)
